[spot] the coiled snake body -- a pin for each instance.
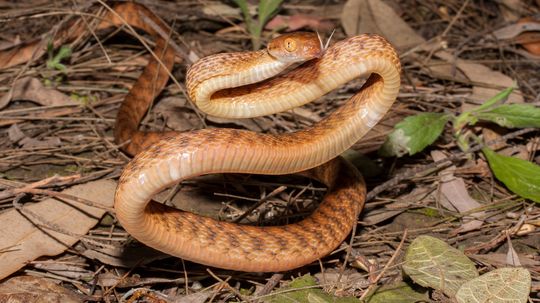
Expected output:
(169, 157)
(181, 156)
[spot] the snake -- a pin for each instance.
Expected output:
(292, 70)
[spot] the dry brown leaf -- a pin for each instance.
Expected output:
(127, 256)
(27, 289)
(519, 151)
(31, 89)
(512, 257)
(72, 270)
(176, 115)
(299, 21)
(411, 221)
(223, 10)
(8, 43)
(375, 16)
(481, 74)
(499, 259)
(512, 31)
(377, 215)
(455, 194)
(483, 78)
(47, 143)
(25, 242)
(15, 134)
(525, 32)
(530, 40)
(440, 69)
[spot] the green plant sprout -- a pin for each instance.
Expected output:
(54, 60)
(265, 10)
(415, 133)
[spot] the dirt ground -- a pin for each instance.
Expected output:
(60, 240)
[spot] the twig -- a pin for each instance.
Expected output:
(226, 284)
(456, 17)
(394, 256)
(52, 181)
(260, 202)
(270, 284)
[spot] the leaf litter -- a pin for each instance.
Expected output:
(455, 56)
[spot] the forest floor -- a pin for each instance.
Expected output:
(60, 240)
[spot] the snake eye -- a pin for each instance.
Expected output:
(290, 45)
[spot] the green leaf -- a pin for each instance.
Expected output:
(54, 61)
(414, 134)
(431, 262)
(512, 115)
(399, 292)
(501, 285)
(267, 8)
(498, 97)
(304, 289)
(242, 4)
(520, 176)
(63, 53)
(470, 117)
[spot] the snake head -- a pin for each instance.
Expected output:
(295, 47)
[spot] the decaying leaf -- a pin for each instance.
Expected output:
(302, 290)
(25, 289)
(508, 285)
(31, 89)
(375, 16)
(455, 193)
(176, 115)
(29, 240)
(431, 262)
(298, 22)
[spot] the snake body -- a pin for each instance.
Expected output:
(244, 85)
(186, 155)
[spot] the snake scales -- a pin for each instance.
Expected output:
(243, 85)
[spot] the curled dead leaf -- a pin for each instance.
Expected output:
(31, 241)
(31, 89)
(530, 40)
(300, 21)
(375, 16)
